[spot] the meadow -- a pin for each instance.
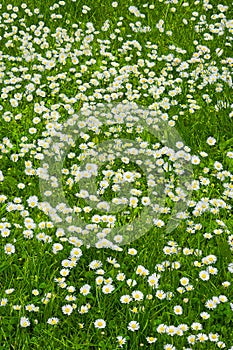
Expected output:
(116, 175)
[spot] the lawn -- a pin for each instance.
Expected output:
(116, 175)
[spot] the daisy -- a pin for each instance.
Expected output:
(153, 280)
(222, 345)
(24, 322)
(145, 201)
(160, 294)
(133, 326)
(120, 276)
(137, 295)
(204, 275)
(133, 201)
(178, 310)
(99, 280)
(57, 247)
(128, 176)
(184, 281)
(183, 327)
(191, 339)
(223, 298)
(171, 330)
(99, 323)
(202, 337)
(125, 299)
(67, 309)
(85, 290)
(213, 337)
(161, 328)
(195, 160)
(9, 249)
(107, 288)
(30, 307)
(132, 251)
(159, 223)
(32, 201)
(9, 291)
(140, 270)
(121, 341)
(204, 315)
(151, 340)
(95, 264)
(211, 141)
(17, 307)
(196, 326)
(131, 283)
(3, 301)
(53, 321)
(83, 309)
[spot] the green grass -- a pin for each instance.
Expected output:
(148, 67)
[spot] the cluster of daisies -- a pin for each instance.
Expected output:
(109, 170)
